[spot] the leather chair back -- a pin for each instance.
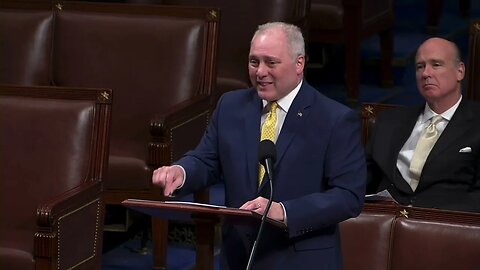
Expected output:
(394, 237)
(160, 62)
(26, 55)
(440, 245)
(38, 135)
(55, 150)
(372, 234)
(238, 22)
(152, 60)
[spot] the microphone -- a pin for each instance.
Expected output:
(267, 155)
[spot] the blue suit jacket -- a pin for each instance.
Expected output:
(319, 175)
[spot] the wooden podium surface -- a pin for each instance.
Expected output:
(179, 210)
(205, 216)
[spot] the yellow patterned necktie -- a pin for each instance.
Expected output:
(268, 133)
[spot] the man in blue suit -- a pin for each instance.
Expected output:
(319, 174)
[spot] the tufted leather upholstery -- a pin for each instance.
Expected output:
(387, 236)
(55, 145)
(349, 22)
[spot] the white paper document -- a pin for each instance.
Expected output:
(197, 204)
(383, 195)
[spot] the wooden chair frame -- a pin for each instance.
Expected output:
(85, 202)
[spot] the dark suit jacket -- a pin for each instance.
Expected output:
(450, 179)
(320, 176)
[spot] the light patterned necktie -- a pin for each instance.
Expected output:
(268, 133)
(427, 140)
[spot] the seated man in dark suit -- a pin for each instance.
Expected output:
(429, 156)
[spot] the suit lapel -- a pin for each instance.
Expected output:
(405, 125)
(456, 128)
(294, 121)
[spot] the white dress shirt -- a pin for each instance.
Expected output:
(282, 109)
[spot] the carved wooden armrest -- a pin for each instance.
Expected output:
(169, 130)
(71, 221)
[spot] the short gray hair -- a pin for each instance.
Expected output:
(293, 33)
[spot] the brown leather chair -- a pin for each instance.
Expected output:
(238, 22)
(440, 244)
(160, 63)
(54, 145)
(349, 22)
(390, 236)
(473, 64)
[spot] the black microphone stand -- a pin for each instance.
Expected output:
(264, 216)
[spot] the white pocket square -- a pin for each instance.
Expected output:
(465, 150)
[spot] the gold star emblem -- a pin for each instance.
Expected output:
(369, 109)
(404, 213)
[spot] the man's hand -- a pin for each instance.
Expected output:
(169, 178)
(259, 204)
